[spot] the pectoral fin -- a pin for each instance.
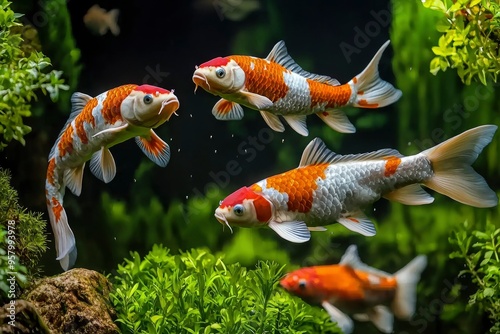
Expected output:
(102, 165)
(154, 148)
(73, 179)
(358, 222)
(293, 231)
(343, 321)
(225, 110)
(257, 101)
(112, 130)
(273, 121)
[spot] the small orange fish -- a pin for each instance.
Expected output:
(356, 288)
(277, 85)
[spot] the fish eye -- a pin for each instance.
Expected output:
(148, 99)
(302, 284)
(220, 72)
(238, 210)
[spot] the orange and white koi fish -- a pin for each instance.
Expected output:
(276, 86)
(356, 288)
(328, 187)
(95, 125)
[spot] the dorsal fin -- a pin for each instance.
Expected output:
(351, 259)
(317, 153)
(78, 102)
(279, 54)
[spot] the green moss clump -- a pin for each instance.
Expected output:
(21, 75)
(23, 231)
(480, 250)
(470, 38)
(196, 292)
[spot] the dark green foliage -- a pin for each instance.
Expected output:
(196, 292)
(21, 233)
(21, 75)
(480, 250)
(469, 41)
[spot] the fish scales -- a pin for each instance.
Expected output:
(322, 193)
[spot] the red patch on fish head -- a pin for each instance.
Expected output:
(262, 206)
(303, 282)
(149, 89)
(216, 62)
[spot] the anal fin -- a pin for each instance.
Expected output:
(225, 110)
(382, 318)
(154, 148)
(337, 120)
(298, 123)
(410, 195)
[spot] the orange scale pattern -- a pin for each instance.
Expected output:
(299, 184)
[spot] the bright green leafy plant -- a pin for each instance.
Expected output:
(481, 252)
(470, 36)
(196, 292)
(21, 75)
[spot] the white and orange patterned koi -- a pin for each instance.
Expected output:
(95, 125)
(276, 86)
(328, 187)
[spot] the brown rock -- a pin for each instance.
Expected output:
(21, 317)
(76, 302)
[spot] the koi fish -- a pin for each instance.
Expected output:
(356, 288)
(99, 21)
(95, 125)
(276, 86)
(329, 187)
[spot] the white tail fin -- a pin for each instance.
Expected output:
(453, 175)
(371, 91)
(64, 238)
(405, 301)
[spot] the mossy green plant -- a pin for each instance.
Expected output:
(470, 38)
(21, 75)
(480, 250)
(196, 292)
(22, 239)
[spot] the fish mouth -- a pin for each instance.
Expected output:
(222, 219)
(169, 106)
(200, 79)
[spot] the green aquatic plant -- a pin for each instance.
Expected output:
(470, 38)
(22, 239)
(21, 75)
(480, 250)
(196, 292)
